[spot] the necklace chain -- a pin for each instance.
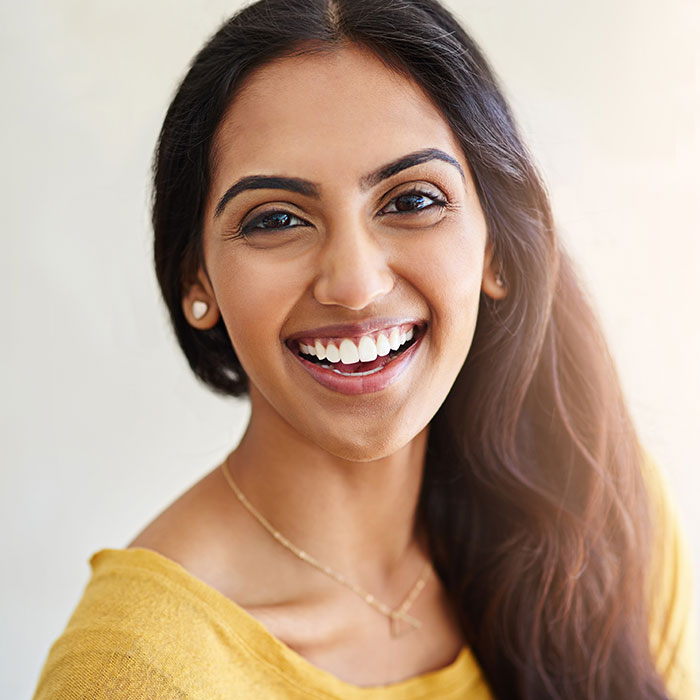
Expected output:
(396, 615)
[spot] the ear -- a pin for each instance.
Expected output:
(493, 282)
(199, 304)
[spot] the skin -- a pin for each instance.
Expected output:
(341, 474)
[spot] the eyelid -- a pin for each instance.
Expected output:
(438, 197)
(268, 209)
(415, 187)
(261, 216)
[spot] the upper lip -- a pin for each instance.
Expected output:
(351, 330)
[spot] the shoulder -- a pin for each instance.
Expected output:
(198, 531)
(673, 633)
(209, 535)
(146, 628)
(157, 616)
(116, 642)
(182, 522)
(144, 616)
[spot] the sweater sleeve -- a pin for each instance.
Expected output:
(126, 639)
(673, 629)
(87, 665)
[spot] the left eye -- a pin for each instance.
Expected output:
(412, 202)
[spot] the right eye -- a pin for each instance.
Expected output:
(275, 220)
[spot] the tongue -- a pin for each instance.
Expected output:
(364, 366)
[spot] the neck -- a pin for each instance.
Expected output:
(350, 515)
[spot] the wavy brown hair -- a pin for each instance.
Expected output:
(533, 497)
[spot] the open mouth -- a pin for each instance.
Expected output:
(359, 357)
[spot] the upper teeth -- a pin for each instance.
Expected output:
(367, 348)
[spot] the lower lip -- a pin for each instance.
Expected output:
(358, 384)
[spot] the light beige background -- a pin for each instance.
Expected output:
(102, 424)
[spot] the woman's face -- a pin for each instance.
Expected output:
(368, 230)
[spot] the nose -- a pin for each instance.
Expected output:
(353, 269)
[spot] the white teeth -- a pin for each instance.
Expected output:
(394, 339)
(383, 347)
(332, 354)
(367, 349)
(349, 353)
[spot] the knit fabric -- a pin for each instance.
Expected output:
(146, 629)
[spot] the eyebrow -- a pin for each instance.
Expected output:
(311, 189)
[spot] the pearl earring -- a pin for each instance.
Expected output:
(199, 308)
(499, 279)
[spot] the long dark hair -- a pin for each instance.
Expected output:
(533, 497)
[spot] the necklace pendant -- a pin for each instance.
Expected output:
(399, 628)
(402, 624)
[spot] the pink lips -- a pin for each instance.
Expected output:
(361, 384)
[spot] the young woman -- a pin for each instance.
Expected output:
(440, 493)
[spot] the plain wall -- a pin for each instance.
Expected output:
(102, 422)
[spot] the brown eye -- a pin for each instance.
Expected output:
(277, 219)
(408, 202)
(411, 202)
(272, 221)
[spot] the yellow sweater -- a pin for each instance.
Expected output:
(146, 629)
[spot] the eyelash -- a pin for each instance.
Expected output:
(245, 230)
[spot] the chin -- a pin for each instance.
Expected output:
(365, 447)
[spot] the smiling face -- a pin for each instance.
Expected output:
(345, 249)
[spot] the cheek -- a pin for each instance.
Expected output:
(255, 298)
(448, 273)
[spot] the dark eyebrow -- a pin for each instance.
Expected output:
(311, 189)
(408, 161)
(264, 182)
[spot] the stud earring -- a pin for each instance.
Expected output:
(199, 308)
(499, 279)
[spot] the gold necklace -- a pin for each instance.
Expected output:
(396, 615)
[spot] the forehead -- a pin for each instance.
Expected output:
(332, 115)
